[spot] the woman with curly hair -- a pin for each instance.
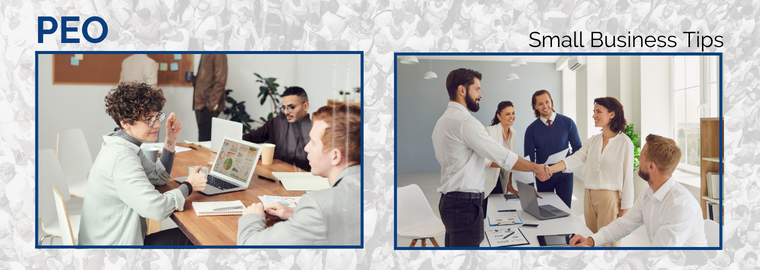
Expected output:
(121, 189)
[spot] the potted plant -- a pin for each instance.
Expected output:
(630, 132)
(236, 112)
(269, 90)
(358, 97)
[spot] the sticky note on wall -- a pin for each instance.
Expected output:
(162, 67)
(74, 61)
(177, 57)
(174, 66)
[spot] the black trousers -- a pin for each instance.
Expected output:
(462, 215)
(560, 183)
(171, 237)
(203, 117)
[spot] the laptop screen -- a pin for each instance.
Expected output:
(236, 160)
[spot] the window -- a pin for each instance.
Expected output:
(694, 95)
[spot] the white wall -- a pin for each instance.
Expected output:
(655, 96)
(569, 96)
(82, 106)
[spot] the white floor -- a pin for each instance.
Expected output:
(429, 182)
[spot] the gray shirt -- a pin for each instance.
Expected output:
(289, 138)
(323, 217)
(121, 193)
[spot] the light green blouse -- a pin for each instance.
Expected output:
(121, 193)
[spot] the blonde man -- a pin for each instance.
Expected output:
(670, 214)
(324, 217)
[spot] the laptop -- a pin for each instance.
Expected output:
(221, 128)
(233, 166)
(529, 203)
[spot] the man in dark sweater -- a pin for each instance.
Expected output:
(549, 134)
(288, 131)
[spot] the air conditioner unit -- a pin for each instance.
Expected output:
(576, 62)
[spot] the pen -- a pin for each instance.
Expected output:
(229, 208)
(508, 235)
(191, 147)
(267, 178)
(508, 210)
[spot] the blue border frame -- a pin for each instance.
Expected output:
(395, 161)
(36, 147)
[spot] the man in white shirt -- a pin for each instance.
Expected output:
(668, 211)
(461, 142)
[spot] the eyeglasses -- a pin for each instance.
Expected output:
(152, 121)
(289, 107)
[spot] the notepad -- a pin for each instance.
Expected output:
(302, 181)
(225, 208)
(506, 237)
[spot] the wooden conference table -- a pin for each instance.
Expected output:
(221, 230)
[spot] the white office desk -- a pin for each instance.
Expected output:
(568, 224)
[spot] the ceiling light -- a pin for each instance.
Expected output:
(408, 60)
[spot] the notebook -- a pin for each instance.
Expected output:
(302, 181)
(224, 208)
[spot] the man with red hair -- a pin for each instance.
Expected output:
(324, 217)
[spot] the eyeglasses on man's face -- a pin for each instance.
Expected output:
(160, 117)
(290, 107)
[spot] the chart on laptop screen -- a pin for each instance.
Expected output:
(235, 160)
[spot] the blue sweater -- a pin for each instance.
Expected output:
(543, 141)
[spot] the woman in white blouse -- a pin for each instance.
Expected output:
(608, 174)
(501, 130)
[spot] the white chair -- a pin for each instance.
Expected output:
(712, 231)
(75, 159)
(50, 174)
(67, 233)
(415, 218)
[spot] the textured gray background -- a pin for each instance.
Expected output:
(18, 43)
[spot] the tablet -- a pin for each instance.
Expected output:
(555, 240)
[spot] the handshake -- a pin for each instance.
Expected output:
(543, 172)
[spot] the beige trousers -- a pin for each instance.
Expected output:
(600, 208)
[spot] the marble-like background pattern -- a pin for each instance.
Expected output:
(377, 27)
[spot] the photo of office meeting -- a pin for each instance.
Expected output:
(199, 149)
(558, 151)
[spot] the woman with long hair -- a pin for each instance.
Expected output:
(608, 170)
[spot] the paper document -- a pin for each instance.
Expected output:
(504, 218)
(506, 237)
(301, 181)
(177, 149)
(524, 177)
(557, 157)
(287, 201)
